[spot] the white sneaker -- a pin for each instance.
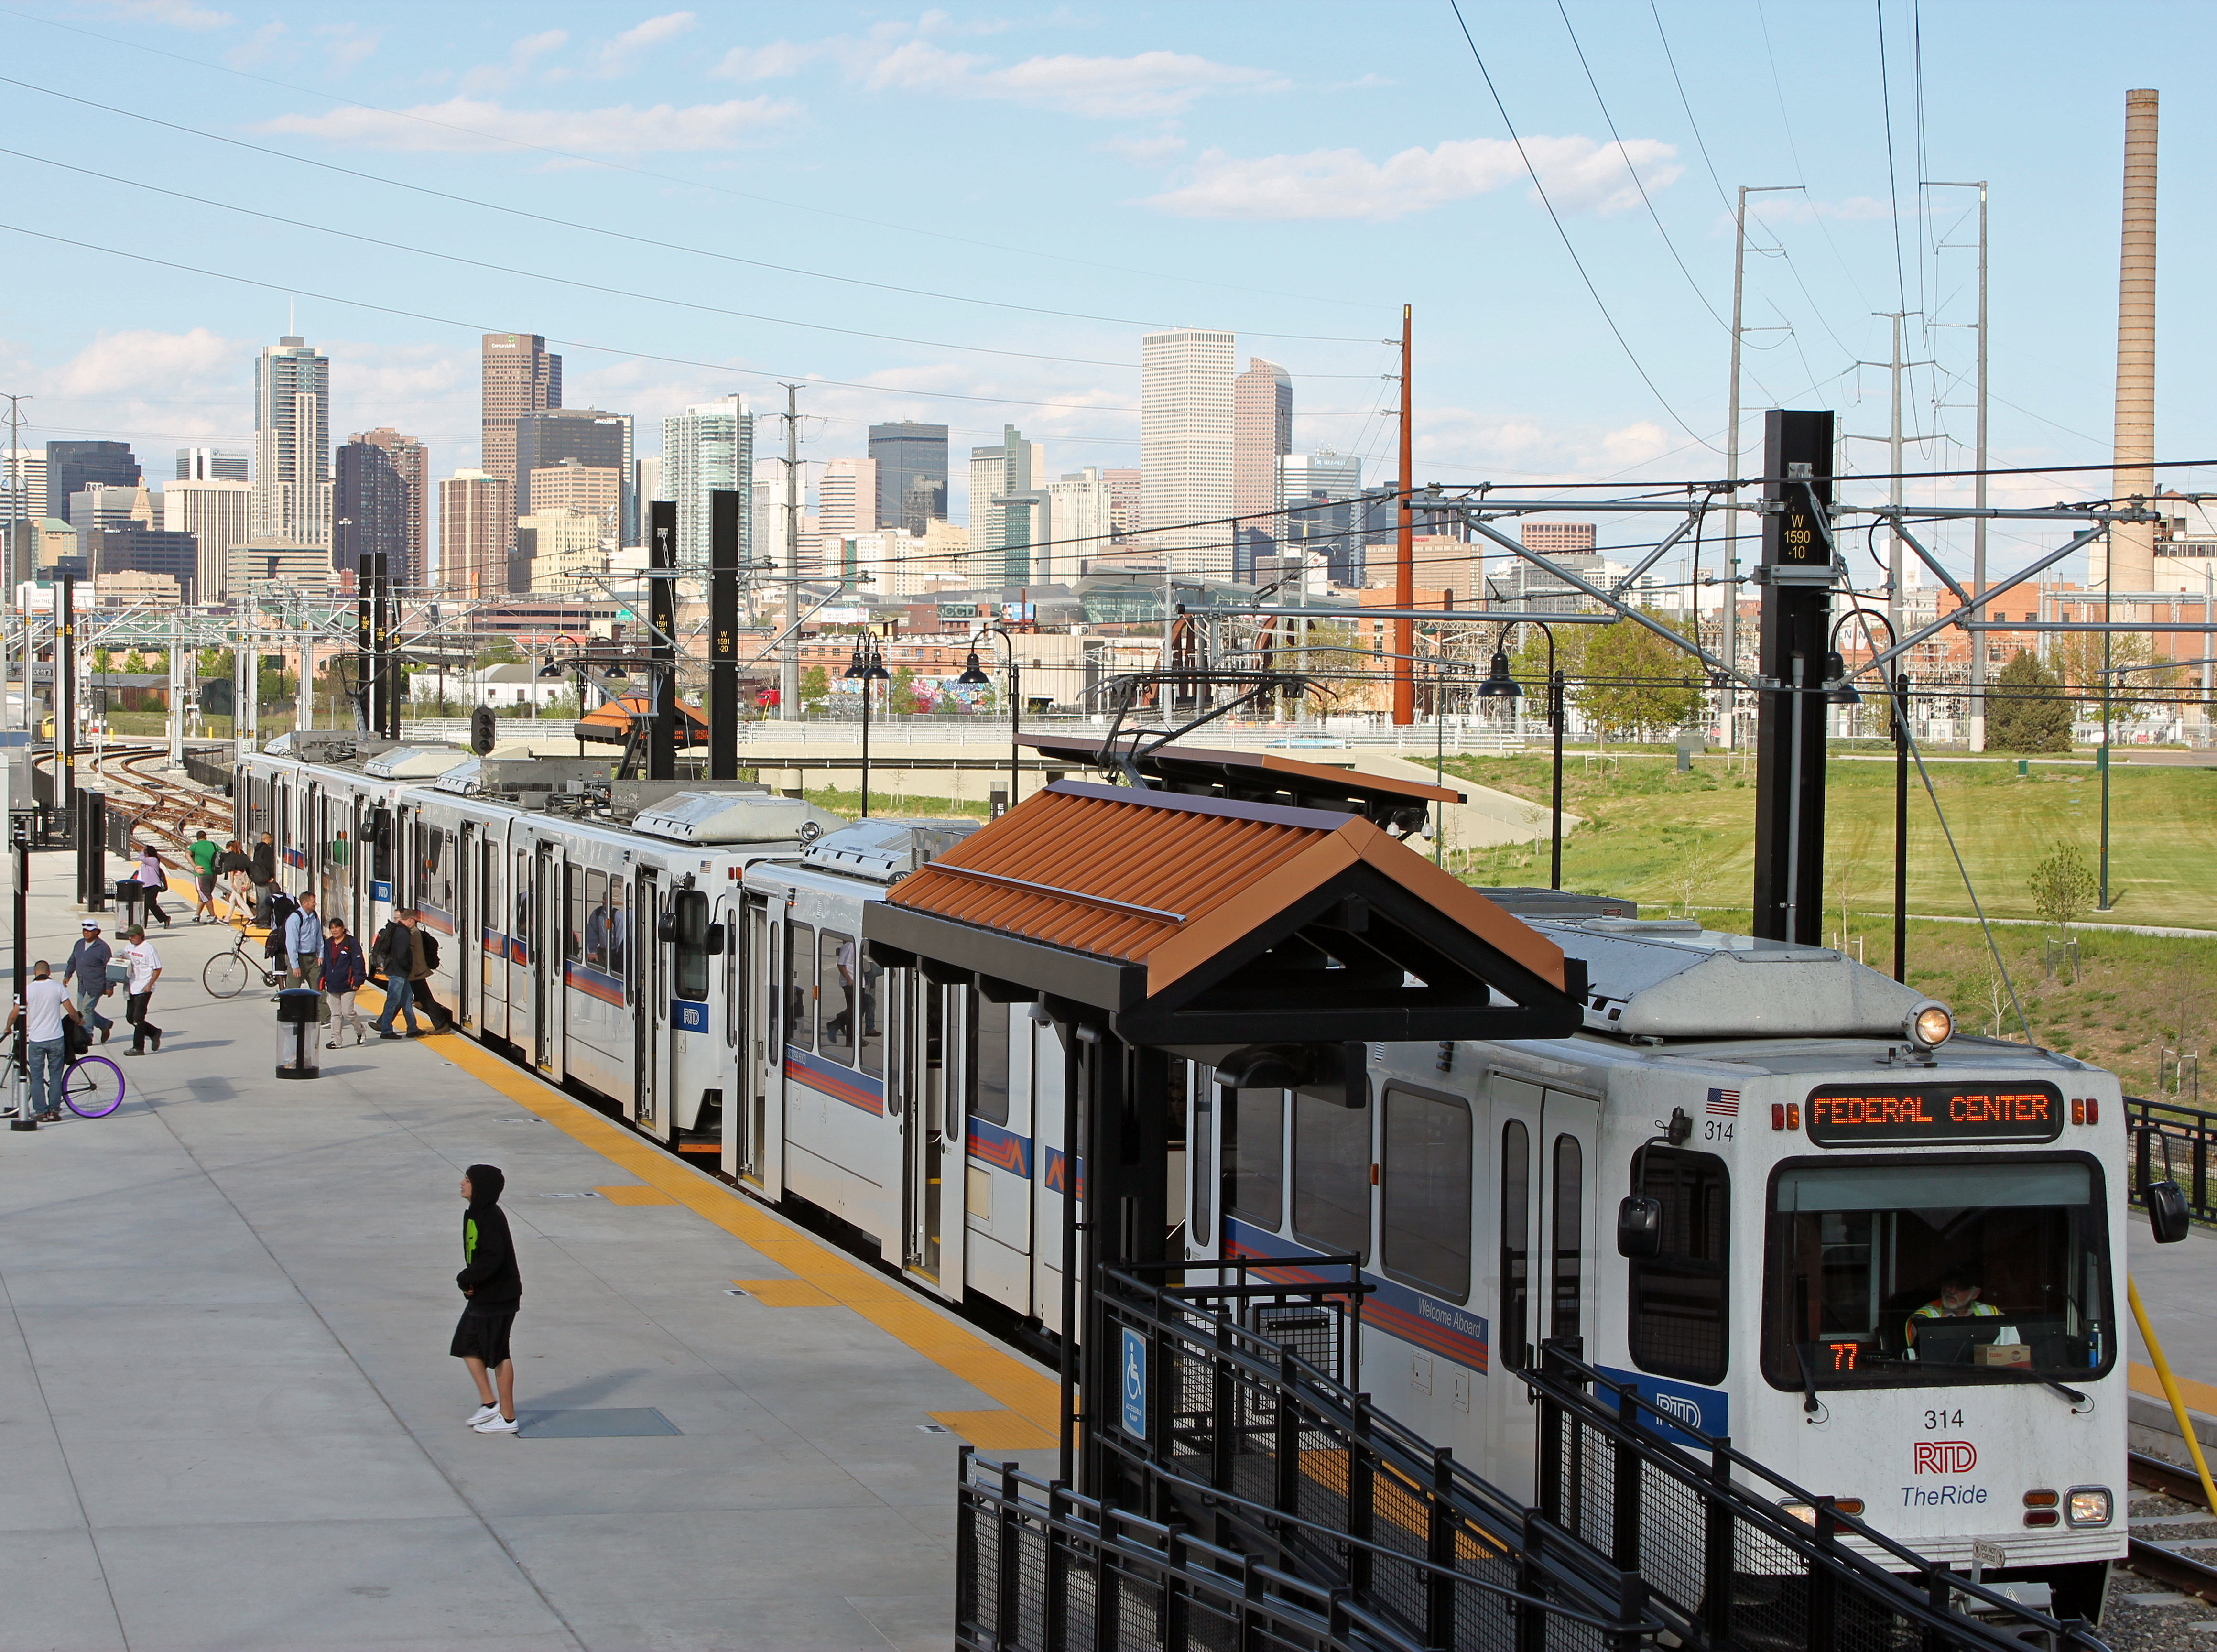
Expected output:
(496, 1424)
(482, 1413)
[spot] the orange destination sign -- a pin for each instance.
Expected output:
(1871, 1115)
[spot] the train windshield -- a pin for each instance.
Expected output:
(1937, 1271)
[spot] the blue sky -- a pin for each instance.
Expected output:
(993, 203)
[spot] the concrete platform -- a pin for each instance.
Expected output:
(228, 1418)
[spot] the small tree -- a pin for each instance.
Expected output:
(2063, 886)
(134, 662)
(1697, 866)
(1845, 868)
(2026, 710)
(1637, 684)
(815, 686)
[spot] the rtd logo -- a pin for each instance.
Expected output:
(1946, 1457)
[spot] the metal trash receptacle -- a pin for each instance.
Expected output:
(128, 893)
(299, 1009)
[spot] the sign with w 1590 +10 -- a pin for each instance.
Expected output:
(1875, 1115)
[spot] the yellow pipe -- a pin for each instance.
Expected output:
(2171, 1391)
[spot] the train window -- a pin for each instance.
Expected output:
(596, 920)
(380, 840)
(1202, 1227)
(989, 1060)
(801, 986)
(835, 998)
(1254, 1156)
(620, 923)
(1515, 1338)
(1424, 1218)
(691, 906)
(1569, 1225)
(1678, 1298)
(1331, 1175)
(573, 917)
(873, 1031)
(1924, 1273)
(434, 882)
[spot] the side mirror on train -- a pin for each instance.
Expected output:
(665, 927)
(1640, 1227)
(2169, 1218)
(712, 942)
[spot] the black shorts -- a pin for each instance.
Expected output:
(483, 1334)
(205, 881)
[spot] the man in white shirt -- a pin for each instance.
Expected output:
(304, 941)
(145, 970)
(45, 1006)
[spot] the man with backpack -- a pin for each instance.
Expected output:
(393, 955)
(262, 872)
(279, 917)
(204, 854)
(234, 875)
(424, 961)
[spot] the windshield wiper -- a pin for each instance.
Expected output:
(1993, 1375)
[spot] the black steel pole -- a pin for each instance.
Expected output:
(724, 637)
(1555, 714)
(66, 696)
(1901, 823)
(870, 661)
(1016, 711)
(662, 613)
(365, 641)
(20, 853)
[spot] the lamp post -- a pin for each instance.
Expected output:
(973, 676)
(867, 667)
(1499, 685)
(1839, 690)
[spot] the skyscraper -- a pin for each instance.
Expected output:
(847, 497)
(215, 514)
(1079, 529)
(22, 485)
(1321, 493)
(707, 448)
(1261, 435)
(516, 376)
(369, 511)
(476, 524)
(291, 444)
(411, 463)
(593, 438)
(912, 473)
(1008, 509)
(1185, 446)
(73, 466)
(210, 465)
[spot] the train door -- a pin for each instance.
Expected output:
(517, 943)
(647, 984)
(1542, 1243)
(544, 951)
(1050, 1072)
(761, 1133)
(469, 947)
(931, 1146)
(492, 947)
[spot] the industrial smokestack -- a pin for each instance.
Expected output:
(2132, 546)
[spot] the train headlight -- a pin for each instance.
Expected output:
(2087, 1506)
(1929, 1024)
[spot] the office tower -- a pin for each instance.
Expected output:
(1078, 524)
(73, 466)
(210, 465)
(1552, 538)
(476, 527)
(1124, 491)
(847, 497)
(592, 437)
(291, 444)
(136, 548)
(1185, 447)
(516, 375)
(369, 512)
(1321, 494)
(1008, 509)
(411, 462)
(707, 448)
(645, 486)
(1261, 435)
(277, 565)
(589, 490)
(766, 516)
(557, 550)
(22, 485)
(97, 505)
(912, 473)
(215, 513)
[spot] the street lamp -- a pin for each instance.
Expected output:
(973, 676)
(865, 668)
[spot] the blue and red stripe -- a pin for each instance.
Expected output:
(840, 1083)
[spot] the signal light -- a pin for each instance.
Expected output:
(1793, 1115)
(2093, 1110)
(1778, 1115)
(2040, 1499)
(2040, 1517)
(2078, 1111)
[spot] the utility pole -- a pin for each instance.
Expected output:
(18, 513)
(1404, 629)
(789, 651)
(1978, 482)
(723, 706)
(1893, 493)
(177, 691)
(1732, 459)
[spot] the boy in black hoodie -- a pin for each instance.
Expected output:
(494, 1289)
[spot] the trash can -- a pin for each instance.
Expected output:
(129, 891)
(297, 1056)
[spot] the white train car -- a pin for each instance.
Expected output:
(1813, 1158)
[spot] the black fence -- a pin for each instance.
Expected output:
(1722, 1544)
(2170, 1143)
(211, 767)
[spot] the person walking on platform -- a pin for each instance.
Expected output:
(343, 974)
(153, 880)
(423, 950)
(234, 870)
(493, 1285)
(203, 854)
(393, 955)
(261, 873)
(304, 942)
(86, 976)
(46, 1005)
(146, 966)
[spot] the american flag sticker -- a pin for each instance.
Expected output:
(1725, 1104)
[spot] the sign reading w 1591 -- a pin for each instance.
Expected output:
(1873, 1115)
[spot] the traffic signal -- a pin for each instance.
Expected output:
(482, 729)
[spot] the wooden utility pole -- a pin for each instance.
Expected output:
(1404, 631)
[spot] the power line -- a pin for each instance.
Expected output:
(1686, 104)
(1892, 188)
(1541, 190)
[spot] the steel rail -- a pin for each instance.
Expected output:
(2153, 1560)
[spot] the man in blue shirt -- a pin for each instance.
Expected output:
(304, 941)
(86, 975)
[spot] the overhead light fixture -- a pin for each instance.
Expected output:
(973, 675)
(1842, 692)
(1498, 684)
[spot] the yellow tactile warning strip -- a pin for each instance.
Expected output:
(2199, 1397)
(634, 1195)
(785, 1293)
(995, 1431)
(1028, 1396)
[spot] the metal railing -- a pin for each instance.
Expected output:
(2170, 1143)
(1708, 1532)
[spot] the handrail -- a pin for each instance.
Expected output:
(2148, 1121)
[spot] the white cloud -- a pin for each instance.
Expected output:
(1143, 152)
(617, 56)
(462, 124)
(899, 56)
(142, 359)
(175, 14)
(1580, 176)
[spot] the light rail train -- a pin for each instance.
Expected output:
(1776, 1190)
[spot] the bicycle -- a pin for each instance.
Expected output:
(92, 1086)
(227, 974)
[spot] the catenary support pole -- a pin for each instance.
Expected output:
(724, 634)
(1796, 577)
(65, 690)
(1901, 825)
(662, 647)
(1403, 631)
(364, 643)
(788, 653)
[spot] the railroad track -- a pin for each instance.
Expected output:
(2153, 1560)
(167, 808)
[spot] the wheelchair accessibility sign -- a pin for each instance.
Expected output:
(1134, 1367)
